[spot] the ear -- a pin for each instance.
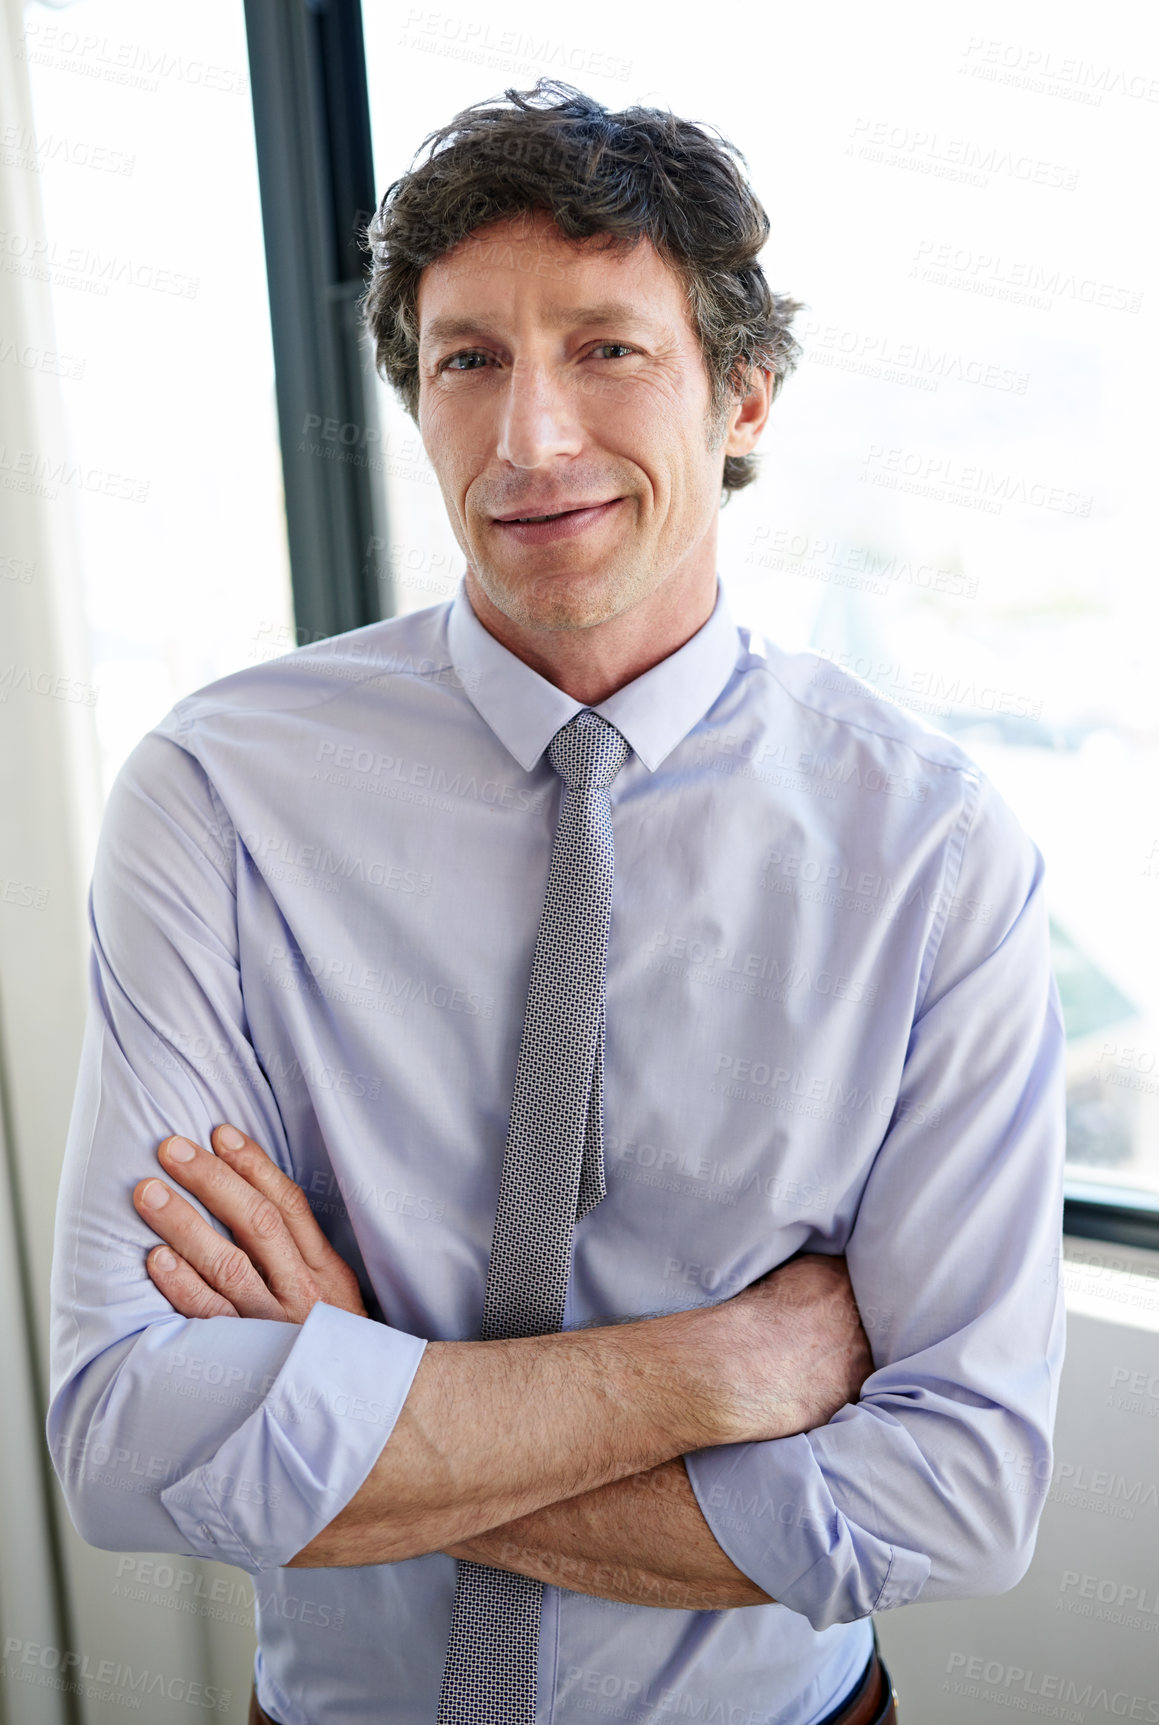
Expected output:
(748, 414)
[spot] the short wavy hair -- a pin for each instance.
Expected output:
(638, 173)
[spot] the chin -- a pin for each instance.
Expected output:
(564, 601)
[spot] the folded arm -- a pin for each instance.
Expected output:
(550, 1455)
(642, 1540)
(932, 1485)
(200, 1436)
(332, 1439)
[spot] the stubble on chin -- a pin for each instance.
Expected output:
(562, 602)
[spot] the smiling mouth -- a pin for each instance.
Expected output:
(576, 509)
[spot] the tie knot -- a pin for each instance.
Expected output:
(588, 752)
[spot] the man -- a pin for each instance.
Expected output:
(565, 1003)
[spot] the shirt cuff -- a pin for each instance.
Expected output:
(297, 1460)
(771, 1511)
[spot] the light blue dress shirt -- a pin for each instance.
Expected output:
(831, 1026)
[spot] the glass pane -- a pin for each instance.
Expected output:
(951, 502)
(144, 149)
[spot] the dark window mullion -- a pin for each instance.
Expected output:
(315, 167)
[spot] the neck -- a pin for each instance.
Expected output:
(591, 664)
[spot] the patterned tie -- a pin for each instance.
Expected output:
(553, 1173)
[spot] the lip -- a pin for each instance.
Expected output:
(568, 524)
(554, 507)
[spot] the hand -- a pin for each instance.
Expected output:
(803, 1352)
(281, 1265)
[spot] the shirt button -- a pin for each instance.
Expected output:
(205, 1531)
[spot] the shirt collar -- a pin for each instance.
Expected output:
(652, 713)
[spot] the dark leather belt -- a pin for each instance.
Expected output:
(258, 1715)
(873, 1702)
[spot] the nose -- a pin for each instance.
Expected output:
(539, 421)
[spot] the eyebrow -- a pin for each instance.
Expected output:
(623, 312)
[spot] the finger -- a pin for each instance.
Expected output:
(184, 1288)
(219, 1263)
(255, 1221)
(252, 1162)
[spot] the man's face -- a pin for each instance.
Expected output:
(566, 380)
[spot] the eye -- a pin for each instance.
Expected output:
(449, 364)
(623, 347)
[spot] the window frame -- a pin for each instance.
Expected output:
(311, 109)
(316, 170)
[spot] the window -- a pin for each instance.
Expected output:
(951, 502)
(144, 153)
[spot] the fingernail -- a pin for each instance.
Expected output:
(154, 1195)
(230, 1137)
(180, 1150)
(163, 1259)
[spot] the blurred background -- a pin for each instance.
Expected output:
(198, 469)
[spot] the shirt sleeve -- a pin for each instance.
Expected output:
(932, 1484)
(230, 1438)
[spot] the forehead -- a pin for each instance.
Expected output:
(523, 264)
